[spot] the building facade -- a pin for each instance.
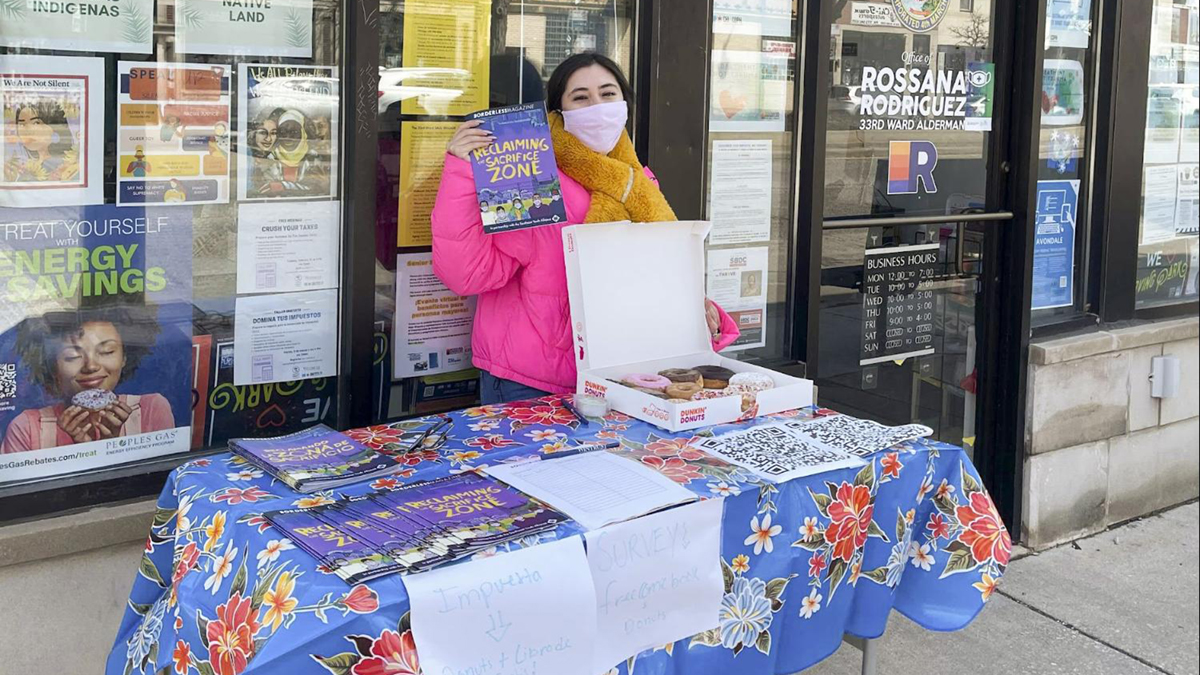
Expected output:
(975, 215)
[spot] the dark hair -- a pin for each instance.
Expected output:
(52, 115)
(39, 338)
(557, 88)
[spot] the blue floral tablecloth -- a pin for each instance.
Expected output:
(220, 592)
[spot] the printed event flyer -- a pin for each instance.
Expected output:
(737, 281)
(433, 324)
(53, 130)
(288, 116)
(173, 133)
(1054, 244)
(124, 26)
(266, 27)
(285, 336)
(422, 154)
(97, 372)
(447, 43)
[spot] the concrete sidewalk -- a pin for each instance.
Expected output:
(1122, 602)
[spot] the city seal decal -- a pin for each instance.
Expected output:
(920, 16)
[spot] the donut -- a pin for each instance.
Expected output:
(683, 390)
(705, 394)
(752, 382)
(749, 398)
(715, 377)
(94, 399)
(681, 375)
(678, 400)
(636, 380)
(656, 393)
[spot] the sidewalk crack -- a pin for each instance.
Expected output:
(1076, 629)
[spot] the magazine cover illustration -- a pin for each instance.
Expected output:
(95, 367)
(516, 177)
(288, 120)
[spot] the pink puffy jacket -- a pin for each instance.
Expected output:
(522, 321)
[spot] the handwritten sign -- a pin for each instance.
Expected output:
(658, 580)
(528, 612)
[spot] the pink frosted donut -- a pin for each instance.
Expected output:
(646, 381)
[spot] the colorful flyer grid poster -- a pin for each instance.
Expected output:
(267, 27)
(53, 137)
(124, 26)
(97, 370)
(288, 118)
(173, 133)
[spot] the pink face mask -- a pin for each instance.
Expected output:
(598, 126)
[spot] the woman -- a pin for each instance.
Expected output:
(519, 212)
(522, 337)
(69, 353)
(47, 152)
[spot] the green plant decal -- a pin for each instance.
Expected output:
(137, 24)
(13, 10)
(297, 30)
(191, 17)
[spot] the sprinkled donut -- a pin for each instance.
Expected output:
(643, 380)
(752, 382)
(94, 399)
(705, 394)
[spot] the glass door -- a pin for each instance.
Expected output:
(905, 212)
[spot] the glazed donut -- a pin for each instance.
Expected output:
(656, 393)
(681, 375)
(636, 380)
(683, 390)
(752, 382)
(715, 377)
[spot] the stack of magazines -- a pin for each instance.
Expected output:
(414, 528)
(315, 459)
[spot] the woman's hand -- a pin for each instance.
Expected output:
(468, 138)
(77, 423)
(713, 316)
(110, 420)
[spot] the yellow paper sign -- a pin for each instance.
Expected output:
(422, 153)
(446, 48)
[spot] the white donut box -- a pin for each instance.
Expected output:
(637, 306)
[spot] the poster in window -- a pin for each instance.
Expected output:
(78, 25)
(284, 337)
(737, 281)
(447, 48)
(422, 154)
(1068, 23)
(1054, 244)
(767, 17)
(746, 91)
(173, 133)
(1164, 271)
(740, 192)
(97, 370)
(268, 409)
(433, 323)
(1187, 201)
(239, 27)
(1062, 92)
(288, 116)
(53, 130)
(1163, 121)
(1158, 202)
(899, 314)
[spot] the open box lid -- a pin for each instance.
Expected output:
(640, 290)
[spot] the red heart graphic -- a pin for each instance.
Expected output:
(266, 419)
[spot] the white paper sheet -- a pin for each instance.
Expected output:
(289, 246)
(737, 281)
(433, 323)
(528, 612)
(285, 336)
(1158, 203)
(595, 488)
(777, 453)
(1187, 201)
(739, 197)
(658, 580)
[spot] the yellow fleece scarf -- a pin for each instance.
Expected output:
(620, 188)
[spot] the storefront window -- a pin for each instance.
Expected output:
(439, 61)
(170, 227)
(751, 169)
(1067, 95)
(1168, 254)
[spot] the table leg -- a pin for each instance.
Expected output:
(870, 656)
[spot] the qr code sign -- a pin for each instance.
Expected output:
(858, 437)
(8, 380)
(774, 451)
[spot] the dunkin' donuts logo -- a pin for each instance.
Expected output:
(594, 389)
(656, 412)
(693, 415)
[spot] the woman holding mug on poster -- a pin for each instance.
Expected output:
(522, 335)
